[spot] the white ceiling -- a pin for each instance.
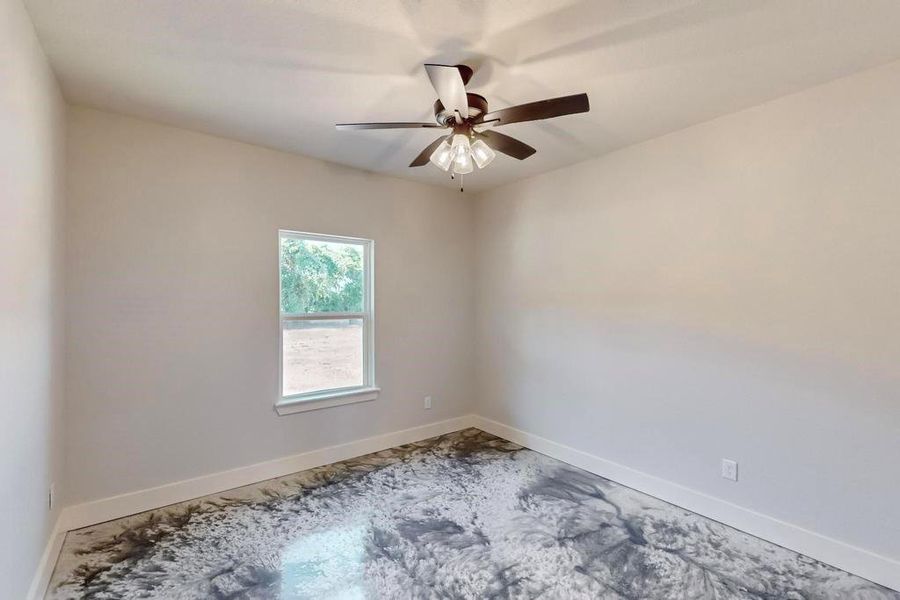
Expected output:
(280, 73)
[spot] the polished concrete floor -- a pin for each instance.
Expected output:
(466, 515)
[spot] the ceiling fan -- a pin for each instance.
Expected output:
(472, 140)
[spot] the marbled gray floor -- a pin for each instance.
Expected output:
(466, 515)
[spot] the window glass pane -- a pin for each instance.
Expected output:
(321, 276)
(321, 355)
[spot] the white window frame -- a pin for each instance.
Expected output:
(339, 396)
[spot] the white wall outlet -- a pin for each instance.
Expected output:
(51, 496)
(427, 402)
(729, 469)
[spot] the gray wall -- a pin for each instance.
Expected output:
(729, 290)
(173, 304)
(31, 298)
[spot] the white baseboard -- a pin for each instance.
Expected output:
(48, 561)
(874, 567)
(866, 564)
(105, 509)
(97, 511)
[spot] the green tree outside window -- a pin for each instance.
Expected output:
(321, 277)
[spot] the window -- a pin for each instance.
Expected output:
(326, 321)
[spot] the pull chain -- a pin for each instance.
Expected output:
(453, 176)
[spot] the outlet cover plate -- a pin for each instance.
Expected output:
(729, 469)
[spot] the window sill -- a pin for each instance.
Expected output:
(287, 406)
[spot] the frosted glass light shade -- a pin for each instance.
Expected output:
(463, 164)
(442, 156)
(482, 154)
(460, 146)
(461, 153)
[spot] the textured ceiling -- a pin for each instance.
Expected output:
(280, 73)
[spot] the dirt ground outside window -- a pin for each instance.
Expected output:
(322, 355)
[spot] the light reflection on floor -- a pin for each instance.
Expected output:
(326, 564)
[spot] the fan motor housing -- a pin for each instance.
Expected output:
(478, 105)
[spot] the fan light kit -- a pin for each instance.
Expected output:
(472, 142)
(458, 156)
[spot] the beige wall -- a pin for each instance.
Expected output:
(729, 290)
(31, 289)
(172, 353)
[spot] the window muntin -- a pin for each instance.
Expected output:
(325, 302)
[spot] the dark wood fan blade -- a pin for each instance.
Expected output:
(425, 155)
(343, 126)
(506, 145)
(450, 87)
(535, 111)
